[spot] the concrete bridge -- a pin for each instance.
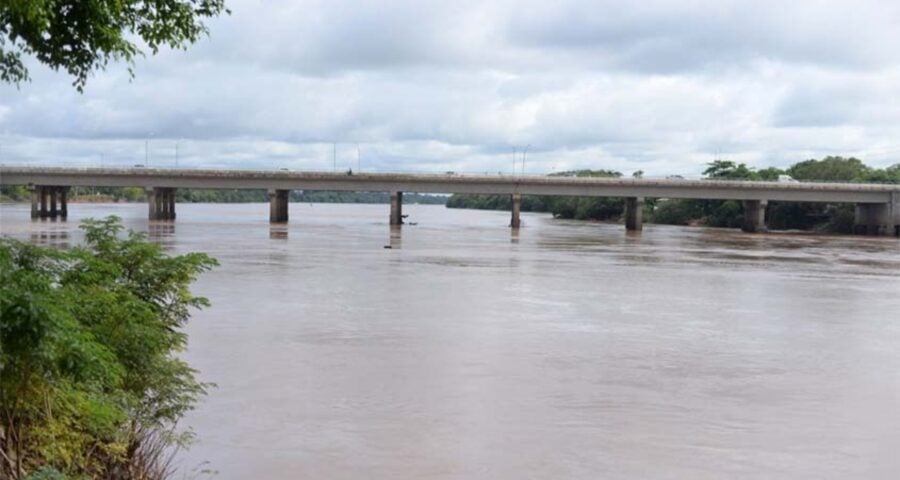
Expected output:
(877, 206)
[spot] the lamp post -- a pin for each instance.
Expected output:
(524, 152)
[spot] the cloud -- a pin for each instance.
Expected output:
(658, 86)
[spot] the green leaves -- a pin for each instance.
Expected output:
(88, 349)
(82, 36)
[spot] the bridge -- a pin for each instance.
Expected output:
(877, 206)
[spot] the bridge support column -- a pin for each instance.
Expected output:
(63, 193)
(152, 204)
(278, 205)
(515, 221)
(875, 219)
(36, 194)
(49, 201)
(161, 203)
(53, 191)
(396, 208)
(894, 215)
(754, 216)
(634, 214)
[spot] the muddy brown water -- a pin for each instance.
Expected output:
(568, 350)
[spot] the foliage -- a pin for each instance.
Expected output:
(714, 213)
(14, 193)
(830, 169)
(579, 208)
(185, 195)
(88, 353)
(728, 170)
(780, 215)
(588, 173)
(82, 36)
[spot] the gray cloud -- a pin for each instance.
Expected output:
(659, 86)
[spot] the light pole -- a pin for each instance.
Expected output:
(524, 152)
(176, 152)
(514, 161)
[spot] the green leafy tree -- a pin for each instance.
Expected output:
(830, 169)
(90, 381)
(729, 170)
(82, 36)
(769, 174)
(580, 208)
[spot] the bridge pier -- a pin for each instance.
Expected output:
(161, 203)
(63, 193)
(278, 205)
(877, 218)
(49, 201)
(894, 215)
(634, 214)
(754, 216)
(516, 221)
(396, 208)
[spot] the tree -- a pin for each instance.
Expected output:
(91, 385)
(728, 170)
(82, 36)
(830, 169)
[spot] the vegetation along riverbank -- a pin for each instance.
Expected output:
(135, 194)
(837, 218)
(91, 384)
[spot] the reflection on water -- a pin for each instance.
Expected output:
(160, 230)
(564, 350)
(56, 238)
(396, 236)
(278, 231)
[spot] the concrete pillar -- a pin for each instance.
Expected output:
(634, 214)
(52, 191)
(35, 201)
(894, 214)
(63, 202)
(278, 205)
(166, 204)
(170, 204)
(152, 204)
(45, 200)
(161, 203)
(874, 219)
(754, 216)
(516, 221)
(396, 208)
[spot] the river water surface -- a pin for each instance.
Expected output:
(568, 350)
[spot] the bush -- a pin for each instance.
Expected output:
(88, 354)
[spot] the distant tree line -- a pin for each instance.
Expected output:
(714, 213)
(19, 193)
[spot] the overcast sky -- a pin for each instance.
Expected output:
(659, 86)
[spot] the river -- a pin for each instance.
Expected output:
(568, 350)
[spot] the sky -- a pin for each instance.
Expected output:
(485, 87)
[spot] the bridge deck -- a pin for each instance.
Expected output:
(449, 183)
